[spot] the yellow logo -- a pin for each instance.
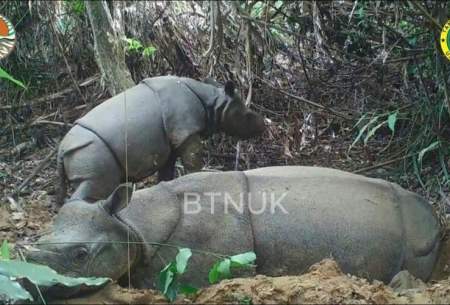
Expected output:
(445, 39)
(7, 37)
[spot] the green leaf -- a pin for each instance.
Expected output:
(360, 120)
(6, 75)
(392, 119)
(166, 277)
(224, 268)
(372, 132)
(243, 259)
(220, 270)
(213, 275)
(429, 148)
(4, 251)
(187, 289)
(171, 293)
(149, 51)
(182, 259)
(133, 45)
(12, 292)
(363, 129)
(44, 276)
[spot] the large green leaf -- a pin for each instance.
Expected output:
(220, 270)
(182, 259)
(166, 277)
(243, 259)
(167, 281)
(12, 292)
(44, 276)
(6, 75)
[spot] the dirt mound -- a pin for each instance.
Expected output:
(324, 283)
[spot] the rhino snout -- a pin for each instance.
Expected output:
(253, 125)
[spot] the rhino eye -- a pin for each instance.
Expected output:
(81, 254)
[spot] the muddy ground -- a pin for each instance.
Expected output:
(324, 283)
(24, 216)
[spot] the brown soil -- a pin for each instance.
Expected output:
(324, 283)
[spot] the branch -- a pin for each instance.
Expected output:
(426, 13)
(304, 100)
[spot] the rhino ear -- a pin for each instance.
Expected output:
(229, 88)
(118, 199)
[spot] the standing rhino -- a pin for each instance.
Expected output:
(144, 129)
(291, 217)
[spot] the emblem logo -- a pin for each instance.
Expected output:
(445, 40)
(7, 37)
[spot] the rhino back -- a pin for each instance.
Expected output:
(182, 111)
(355, 220)
(140, 124)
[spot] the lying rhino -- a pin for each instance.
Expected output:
(291, 217)
(166, 117)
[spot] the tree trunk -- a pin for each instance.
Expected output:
(109, 50)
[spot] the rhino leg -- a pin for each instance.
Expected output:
(191, 153)
(93, 171)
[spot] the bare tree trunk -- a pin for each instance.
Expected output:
(109, 51)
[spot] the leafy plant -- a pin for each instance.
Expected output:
(7, 76)
(222, 269)
(149, 51)
(369, 126)
(169, 283)
(77, 6)
(135, 46)
(168, 277)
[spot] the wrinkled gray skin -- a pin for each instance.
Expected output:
(166, 118)
(371, 227)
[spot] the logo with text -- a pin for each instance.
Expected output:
(445, 40)
(243, 203)
(7, 37)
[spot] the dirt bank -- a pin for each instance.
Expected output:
(324, 283)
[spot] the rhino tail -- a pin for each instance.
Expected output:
(62, 180)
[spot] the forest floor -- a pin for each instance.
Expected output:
(22, 218)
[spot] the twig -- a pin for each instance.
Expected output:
(365, 169)
(426, 13)
(40, 122)
(304, 100)
(53, 96)
(40, 167)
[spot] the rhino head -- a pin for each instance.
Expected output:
(236, 119)
(89, 239)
